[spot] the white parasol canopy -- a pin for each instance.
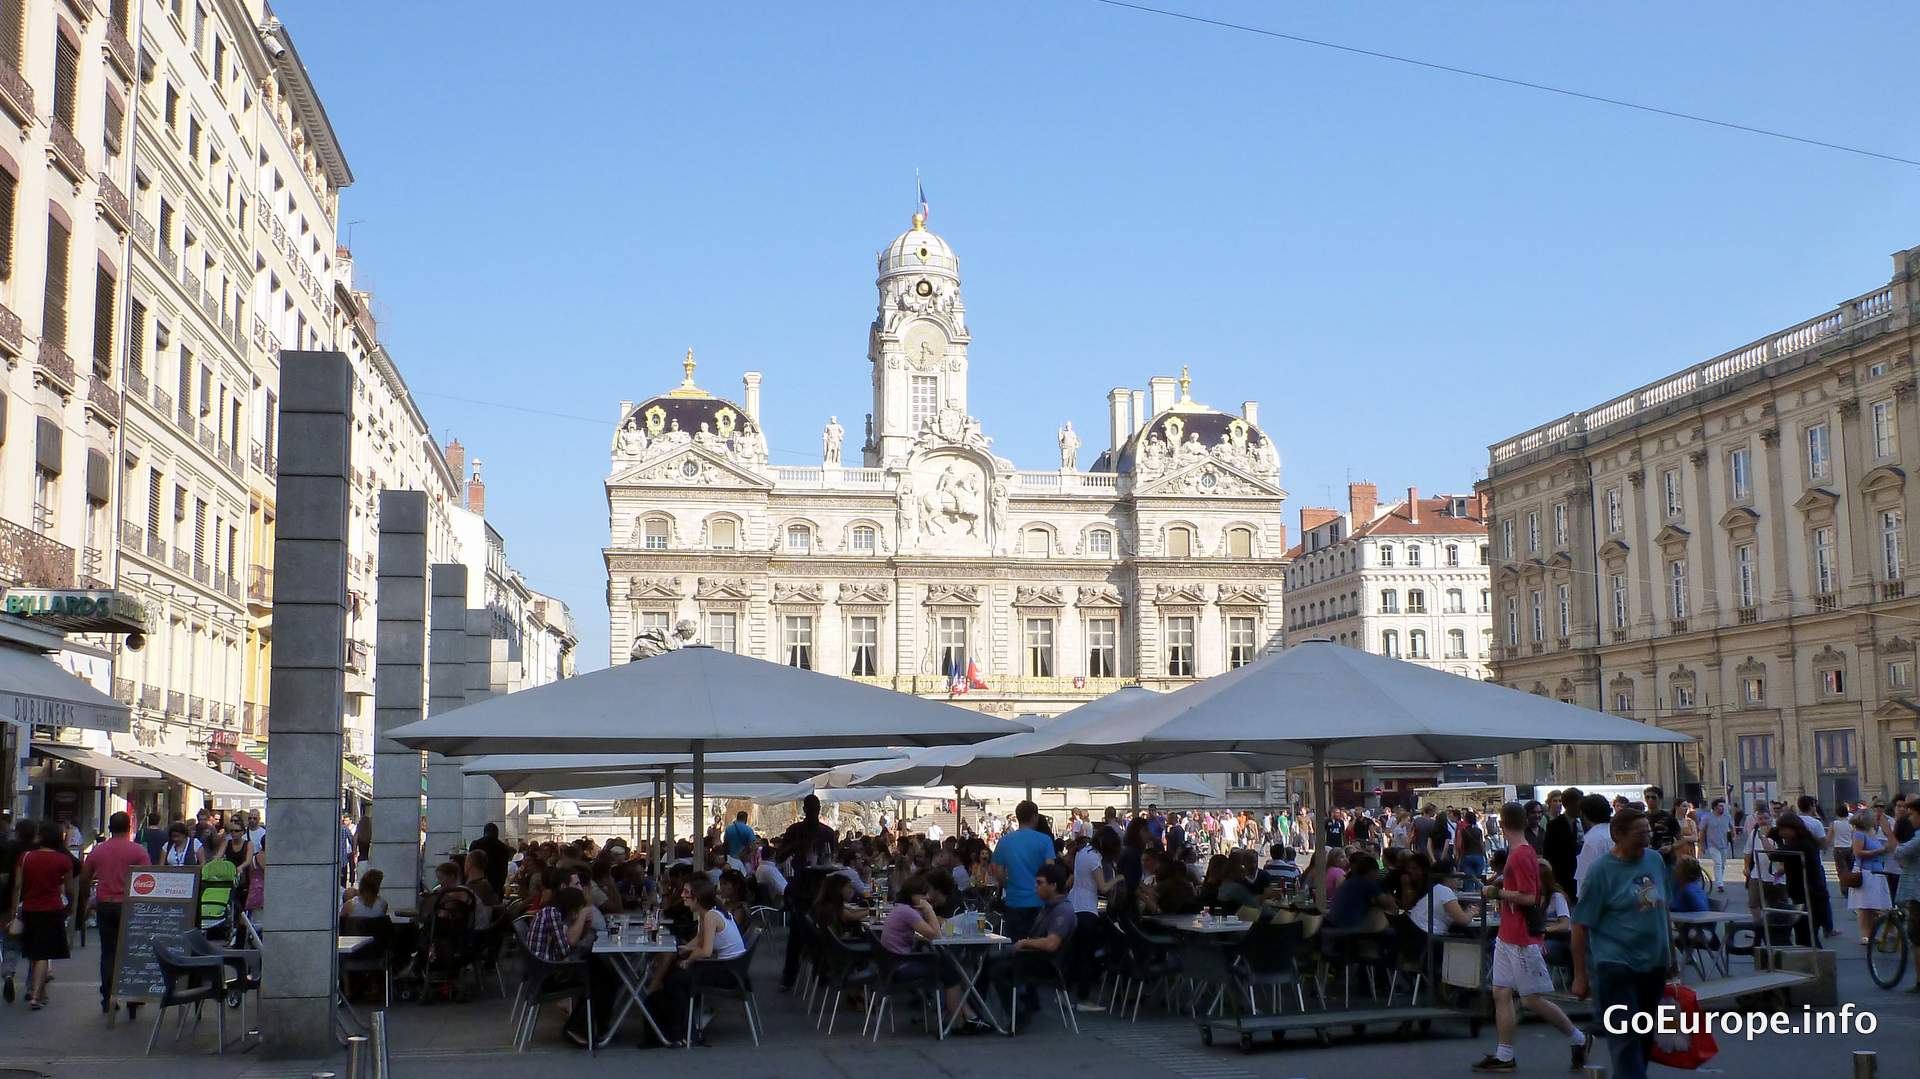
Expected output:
(539, 771)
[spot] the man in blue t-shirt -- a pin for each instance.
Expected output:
(1622, 920)
(739, 836)
(1019, 855)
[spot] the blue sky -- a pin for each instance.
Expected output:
(1403, 266)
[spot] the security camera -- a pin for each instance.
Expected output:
(275, 50)
(136, 641)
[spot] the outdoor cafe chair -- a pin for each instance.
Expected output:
(542, 982)
(1048, 970)
(374, 958)
(1270, 957)
(730, 978)
(842, 968)
(889, 982)
(189, 980)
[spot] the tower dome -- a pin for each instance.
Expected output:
(918, 250)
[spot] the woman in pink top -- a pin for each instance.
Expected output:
(911, 920)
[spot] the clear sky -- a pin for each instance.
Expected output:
(1401, 265)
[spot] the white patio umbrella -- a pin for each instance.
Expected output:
(697, 700)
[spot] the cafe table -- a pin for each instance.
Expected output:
(1201, 924)
(630, 954)
(955, 949)
(343, 1009)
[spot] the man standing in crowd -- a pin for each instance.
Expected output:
(739, 838)
(106, 871)
(1019, 856)
(1622, 943)
(1596, 840)
(1519, 967)
(806, 842)
(1666, 830)
(1423, 828)
(498, 855)
(1716, 834)
(152, 837)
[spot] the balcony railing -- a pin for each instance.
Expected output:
(259, 584)
(162, 401)
(11, 338)
(182, 561)
(1826, 601)
(357, 655)
(273, 464)
(150, 698)
(1892, 589)
(118, 49)
(231, 588)
(207, 442)
(1677, 625)
(1067, 686)
(258, 456)
(210, 307)
(103, 398)
(183, 418)
(92, 561)
(66, 152)
(16, 96)
(156, 548)
(114, 202)
(219, 581)
(132, 536)
(176, 702)
(31, 559)
(142, 230)
(226, 715)
(54, 365)
(136, 380)
(202, 572)
(259, 331)
(123, 690)
(196, 707)
(1749, 615)
(168, 257)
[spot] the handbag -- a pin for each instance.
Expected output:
(1678, 1049)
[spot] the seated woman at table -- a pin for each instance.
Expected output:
(365, 902)
(913, 919)
(1359, 895)
(943, 894)
(1167, 889)
(734, 895)
(1689, 888)
(1433, 906)
(561, 932)
(716, 937)
(833, 909)
(1241, 888)
(1216, 875)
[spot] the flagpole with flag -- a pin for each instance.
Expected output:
(920, 193)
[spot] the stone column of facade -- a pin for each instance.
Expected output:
(309, 683)
(1703, 576)
(481, 800)
(399, 687)
(1850, 464)
(446, 690)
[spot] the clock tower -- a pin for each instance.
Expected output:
(918, 342)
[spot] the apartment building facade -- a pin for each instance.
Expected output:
(1724, 552)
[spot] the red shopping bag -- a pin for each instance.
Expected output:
(1679, 1049)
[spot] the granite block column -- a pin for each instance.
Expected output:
(482, 802)
(446, 690)
(399, 690)
(309, 693)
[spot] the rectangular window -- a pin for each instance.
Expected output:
(1417, 601)
(1038, 639)
(1453, 554)
(1753, 690)
(797, 637)
(1819, 452)
(154, 500)
(863, 646)
(1670, 486)
(1677, 588)
(1745, 572)
(1823, 561)
(1833, 749)
(723, 534)
(1240, 642)
(103, 290)
(1906, 763)
(1179, 543)
(1833, 681)
(862, 540)
(1539, 618)
(1619, 582)
(1682, 695)
(799, 539)
(1513, 622)
(723, 630)
(1559, 526)
(1740, 474)
(1100, 543)
(1890, 559)
(1756, 753)
(1615, 520)
(13, 32)
(1413, 554)
(1900, 674)
(655, 538)
(136, 338)
(66, 81)
(1563, 602)
(922, 402)
(1506, 539)
(59, 242)
(9, 192)
(1533, 532)
(1180, 647)
(1882, 424)
(952, 641)
(1386, 554)
(1486, 600)
(1103, 647)
(46, 496)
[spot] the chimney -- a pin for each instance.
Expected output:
(477, 491)
(1362, 500)
(751, 381)
(1250, 412)
(1119, 419)
(1162, 390)
(1140, 416)
(457, 460)
(343, 267)
(1413, 505)
(1312, 517)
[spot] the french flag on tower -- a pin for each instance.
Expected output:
(973, 675)
(957, 681)
(921, 189)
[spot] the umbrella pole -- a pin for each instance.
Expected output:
(1134, 782)
(699, 805)
(959, 821)
(666, 838)
(1321, 795)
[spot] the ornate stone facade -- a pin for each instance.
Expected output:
(1160, 564)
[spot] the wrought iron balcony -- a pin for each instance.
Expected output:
(150, 698)
(142, 230)
(258, 456)
(132, 536)
(156, 548)
(29, 558)
(55, 367)
(137, 383)
(1826, 601)
(196, 707)
(1748, 615)
(183, 418)
(182, 561)
(207, 442)
(65, 151)
(232, 588)
(202, 572)
(1892, 589)
(168, 257)
(123, 690)
(176, 703)
(16, 96)
(103, 399)
(118, 49)
(259, 331)
(11, 340)
(259, 584)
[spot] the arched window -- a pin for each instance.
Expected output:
(1179, 542)
(1100, 543)
(1456, 601)
(1036, 543)
(723, 534)
(1416, 601)
(1453, 554)
(799, 539)
(1389, 601)
(1390, 643)
(863, 540)
(654, 534)
(1239, 543)
(1456, 644)
(1413, 554)
(1417, 644)
(1386, 554)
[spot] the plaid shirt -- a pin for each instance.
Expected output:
(547, 936)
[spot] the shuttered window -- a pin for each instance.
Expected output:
(199, 530)
(154, 502)
(103, 290)
(54, 325)
(66, 81)
(116, 119)
(13, 31)
(137, 343)
(9, 190)
(185, 399)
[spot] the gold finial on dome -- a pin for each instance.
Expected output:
(686, 387)
(919, 222)
(1186, 383)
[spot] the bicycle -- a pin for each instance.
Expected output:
(1887, 947)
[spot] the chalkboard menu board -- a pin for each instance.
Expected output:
(160, 906)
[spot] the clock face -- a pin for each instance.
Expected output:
(924, 288)
(925, 346)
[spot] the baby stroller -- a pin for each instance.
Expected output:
(447, 948)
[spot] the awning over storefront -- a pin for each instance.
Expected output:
(109, 767)
(221, 789)
(243, 761)
(357, 776)
(34, 690)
